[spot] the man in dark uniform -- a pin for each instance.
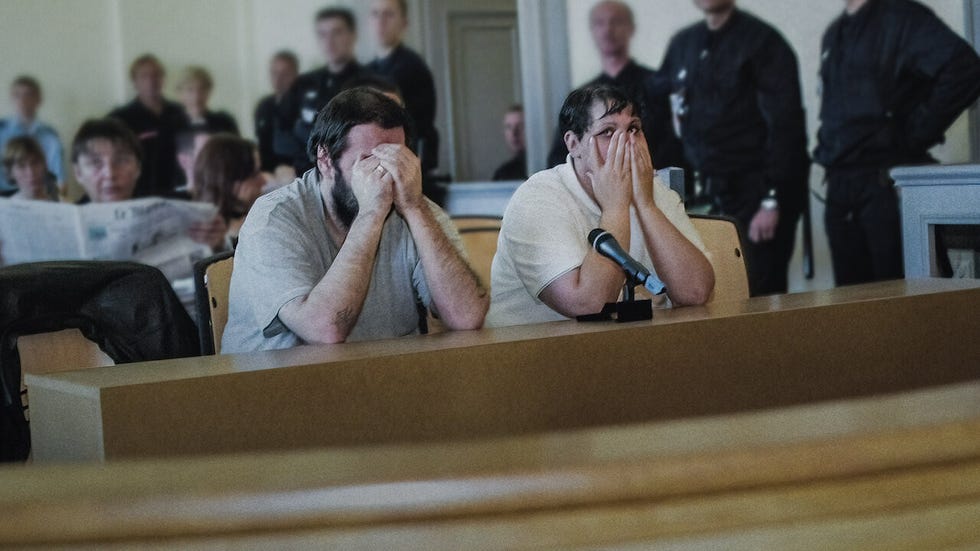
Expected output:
(336, 32)
(894, 78)
(283, 68)
(735, 92)
(611, 25)
(155, 121)
(516, 167)
(408, 71)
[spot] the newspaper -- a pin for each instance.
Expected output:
(152, 231)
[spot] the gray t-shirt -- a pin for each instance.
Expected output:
(284, 250)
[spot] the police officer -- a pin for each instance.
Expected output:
(336, 32)
(407, 70)
(283, 69)
(894, 78)
(735, 93)
(612, 27)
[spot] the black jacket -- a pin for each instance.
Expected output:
(514, 169)
(157, 135)
(265, 127)
(407, 70)
(640, 84)
(894, 78)
(213, 123)
(129, 309)
(742, 109)
(306, 97)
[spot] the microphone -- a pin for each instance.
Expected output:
(605, 244)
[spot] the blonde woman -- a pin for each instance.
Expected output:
(194, 90)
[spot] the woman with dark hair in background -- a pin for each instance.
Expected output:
(227, 173)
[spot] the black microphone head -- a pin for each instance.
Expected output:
(594, 236)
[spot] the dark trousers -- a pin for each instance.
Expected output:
(767, 261)
(864, 226)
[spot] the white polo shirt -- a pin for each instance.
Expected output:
(545, 235)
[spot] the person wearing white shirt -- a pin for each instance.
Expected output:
(545, 269)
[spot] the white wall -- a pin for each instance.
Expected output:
(80, 50)
(802, 22)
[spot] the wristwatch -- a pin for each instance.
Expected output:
(769, 203)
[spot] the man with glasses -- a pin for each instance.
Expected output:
(107, 161)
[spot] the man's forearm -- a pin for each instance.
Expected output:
(680, 265)
(459, 297)
(330, 311)
(597, 281)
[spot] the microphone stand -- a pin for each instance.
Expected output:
(628, 309)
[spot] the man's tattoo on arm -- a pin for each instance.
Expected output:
(344, 318)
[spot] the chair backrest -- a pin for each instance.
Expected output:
(723, 241)
(212, 278)
(479, 235)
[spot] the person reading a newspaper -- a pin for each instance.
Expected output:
(106, 158)
(108, 224)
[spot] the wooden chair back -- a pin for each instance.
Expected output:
(213, 280)
(724, 246)
(479, 234)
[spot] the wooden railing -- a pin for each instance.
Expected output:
(720, 359)
(900, 471)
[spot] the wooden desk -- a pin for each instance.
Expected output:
(720, 359)
(897, 471)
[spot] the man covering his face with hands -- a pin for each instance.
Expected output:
(350, 249)
(545, 269)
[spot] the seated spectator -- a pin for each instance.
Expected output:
(545, 269)
(227, 175)
(24, 164)
(154, 121)
(25, 96)
(194, 89)
(107, 160)
(516, 168)
(348, 251)
(189, 144)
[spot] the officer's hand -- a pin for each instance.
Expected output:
(642, 169)
(373, 186)
(763, 225)
(612, 181)
(406, 170)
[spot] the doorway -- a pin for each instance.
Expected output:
(475, 55)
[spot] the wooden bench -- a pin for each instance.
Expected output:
(719, 359)
(898, 471)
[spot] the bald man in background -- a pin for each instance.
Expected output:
(612, 27)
